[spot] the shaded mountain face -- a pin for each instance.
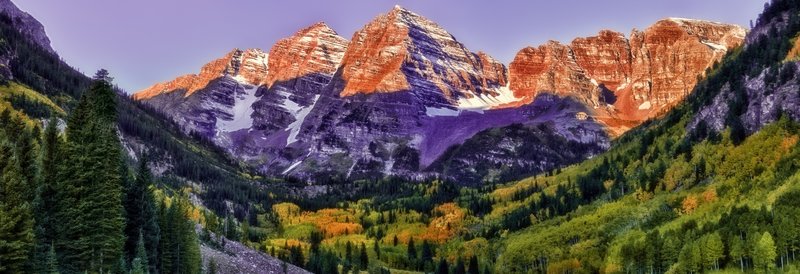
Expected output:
(403, 91)
(26, 24)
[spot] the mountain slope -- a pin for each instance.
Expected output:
(39, 85)
(405, 90)
(26, 25)
(687, 193)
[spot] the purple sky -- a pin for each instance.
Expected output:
(146, 41)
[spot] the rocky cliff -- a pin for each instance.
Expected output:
(625, 79)
(26, 24)
(402, 51)
(215, 101)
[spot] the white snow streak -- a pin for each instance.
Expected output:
(484, 102)
(241, 111)
(300, 114)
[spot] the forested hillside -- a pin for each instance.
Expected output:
(70, 204)
(78, 194)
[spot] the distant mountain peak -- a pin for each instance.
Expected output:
(247, 66)
(402, 51)
(314, 49)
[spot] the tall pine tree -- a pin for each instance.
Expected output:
(16, 220)
(140, 209)
(45, 203)
(180, 249)
(92, 238)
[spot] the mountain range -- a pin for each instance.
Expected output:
(402, 96)
(682, 143)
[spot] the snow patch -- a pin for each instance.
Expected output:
(715, 46)
(241, 111)
(485, 101)
(293, 166)
(433, 112)
(300, 114)
(645, 105)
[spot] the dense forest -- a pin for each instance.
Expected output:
(70, 204)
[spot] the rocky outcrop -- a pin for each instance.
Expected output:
(315, 50)
(26, 24)
(233, 257)
(301, 66)
(216, 101)
(627, 80)
(402, 51)
(248, 66)
(551, 67)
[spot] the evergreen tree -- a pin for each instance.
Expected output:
(348, 252)
(443, 268)
(142, 219)
(138, 267)
(180, 249)
(427, 252)
(377, 248)
(45, 203)
(230, 228)
(141, 253)
(16, 220)
(459, 269)
(122, 266)
(51, 262)
(212, 266)
(411, 252)
(363, 258)
(91, 194)
(473, 267)
(245, 231)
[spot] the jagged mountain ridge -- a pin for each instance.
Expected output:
(353, 109)
(626, 79)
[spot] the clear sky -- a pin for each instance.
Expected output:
(146, 41)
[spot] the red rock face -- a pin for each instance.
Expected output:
(550, 67)
(249, 66)
(494, 71)
(372, 62)
(314, 50)
(643, 76)
(402, 51)
(605, 57)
